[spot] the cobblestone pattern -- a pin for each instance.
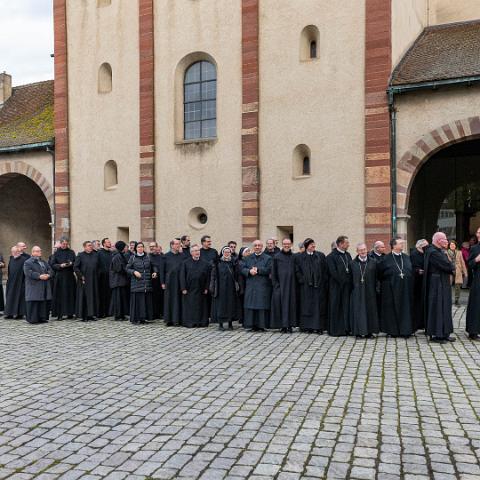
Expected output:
(111, 400)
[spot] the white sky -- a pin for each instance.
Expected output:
(26, 40)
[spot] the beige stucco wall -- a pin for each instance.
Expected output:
(447, 11)
(318, 103)
(409, 17)
(206, 175)
(103, 126)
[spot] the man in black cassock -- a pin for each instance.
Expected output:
(64, 286)
(2, 299)
(270, 248)
(209, 255)
(86, 271)
(378, 254)
(194, 282)
(258, 289)
(15, 306)
(170, 281)
(120, 282)
(396, 275)
(156, 259)
(438, 290)
(473, 308)
(363, 300)
(417, 257)
(284, 309)
(104, 292)
(185, 241)
(312, 276)
(339, 288)
(38, 293)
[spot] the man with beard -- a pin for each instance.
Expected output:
(438, 291)
(37, 287)
(86, 271)
(473, 308)
(170, 282)
(185, 241)
(312, 276)
(283, 311)
(363, 300)
(417, 257)
(104, 292)
(15, 306)
(258, 289)
(339, 288)
(396, 274)
(64, 285)
(194, 281)
(270, 248)
(156, 258)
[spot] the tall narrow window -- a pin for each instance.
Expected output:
(309, 43)
(302, 161)
(306, 166)
(313, 49)
(110, 175)
(200, 101)
(105, 78)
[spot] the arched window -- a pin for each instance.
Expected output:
(105, 78)
(200, 101)
(110, 175)
(309, 43)
(302, 161)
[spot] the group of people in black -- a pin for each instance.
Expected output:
(271, 288)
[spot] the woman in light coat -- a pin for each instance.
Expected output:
(455, 256)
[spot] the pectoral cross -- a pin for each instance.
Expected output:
(402, 275)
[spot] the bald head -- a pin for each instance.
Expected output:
(379, 247)
(439, 239)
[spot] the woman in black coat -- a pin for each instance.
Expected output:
(119, 283)
(224, 287)
(141, 272)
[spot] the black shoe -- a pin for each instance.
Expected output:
(70, 317)
(283, 330)
(59, 319)
(473, 336)
(221, 327)
(84, 319)
(230, 326)
(8, 317)
(450, 339)
(439, 340)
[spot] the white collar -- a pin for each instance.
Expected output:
(341, 251)
(397, 254)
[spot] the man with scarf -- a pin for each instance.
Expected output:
(312, 275)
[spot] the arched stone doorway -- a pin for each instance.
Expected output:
(438, 182)
(25, 213)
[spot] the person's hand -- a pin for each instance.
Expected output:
(205, 291)
(44, 276)
(420, 271)
(163, 286)
(154, 275)
(63, 265)
(184, 292)
(137, 274)
(253, 271)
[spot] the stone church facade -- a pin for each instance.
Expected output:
(258, 118)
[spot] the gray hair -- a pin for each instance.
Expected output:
(421, 243)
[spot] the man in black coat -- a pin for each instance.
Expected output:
(363, 300)
(271, 249)
(473, 308)
(156, 259)
(170, 282)
(15, 306)
(104, 292)
(417, 257)
(64, 286)
(311, 271)
(120, 282)
(339, 288)
(86, 271)
(2, 300)
(284, 309)
(438, 291)
(38, 291)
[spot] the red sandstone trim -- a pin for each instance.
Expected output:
(378, 67)
(147, 120)
(250, 121)
(62, 178)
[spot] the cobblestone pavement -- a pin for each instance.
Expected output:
(112, 400)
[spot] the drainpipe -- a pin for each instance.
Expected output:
(393, 159)
(51, 151)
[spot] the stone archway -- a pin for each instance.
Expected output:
(418, 154)
(27, 201)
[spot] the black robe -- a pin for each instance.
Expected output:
(378, 258)
(157, 291)
(418, 265)
(2, 301)
(312, 277)
(272, 253)
(104, 292)
(64, 286)
(397, 296)
(15, 305)
(170, 277)
(224, 288)
(438, 293)
(473, 308)
(283, 313)
(194, 278)
(120, 286)
(86, 271)
(363, 300)
(339, 288)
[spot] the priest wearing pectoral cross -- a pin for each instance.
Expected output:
(396, 276)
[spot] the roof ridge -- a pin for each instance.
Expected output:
(32, 84)
(441, 26)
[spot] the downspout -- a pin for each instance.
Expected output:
(51, 151)
(393, 159)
